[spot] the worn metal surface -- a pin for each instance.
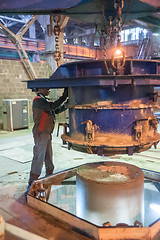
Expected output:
(107, 192)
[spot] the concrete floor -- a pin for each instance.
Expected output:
(15, 160)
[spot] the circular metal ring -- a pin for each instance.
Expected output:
(121, 58)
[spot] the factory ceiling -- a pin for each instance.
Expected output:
(144, 13)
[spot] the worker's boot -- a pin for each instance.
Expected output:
(32, 178)
(49, 171)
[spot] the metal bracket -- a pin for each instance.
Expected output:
(90, 130)
(130, 151)
(65, 126)
(100, 151)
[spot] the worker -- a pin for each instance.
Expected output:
(44, 120)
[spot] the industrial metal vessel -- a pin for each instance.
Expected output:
(108, 113)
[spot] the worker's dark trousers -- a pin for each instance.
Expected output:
(42, 152)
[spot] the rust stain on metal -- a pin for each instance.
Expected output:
(133, 104)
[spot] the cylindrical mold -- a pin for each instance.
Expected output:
(110, 192)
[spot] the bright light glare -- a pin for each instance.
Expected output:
(155, 207)
(118, 53)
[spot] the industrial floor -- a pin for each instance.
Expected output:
(15, 160)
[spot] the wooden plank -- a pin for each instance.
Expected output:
(2, 228)
(22, 234)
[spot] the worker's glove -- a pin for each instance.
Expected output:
(66, 103)
(65, 93)
(60, 109)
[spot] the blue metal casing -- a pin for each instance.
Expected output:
(121, 105)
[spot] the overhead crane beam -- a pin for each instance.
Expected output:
(26, 26)
(88, 11)
(16, 39)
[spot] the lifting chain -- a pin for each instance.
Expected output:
(104, 48)
(57, 54)
(106, 32)
(115, 34)
(105, 54)
(120, 63)
(111, 30)
(119, 4)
